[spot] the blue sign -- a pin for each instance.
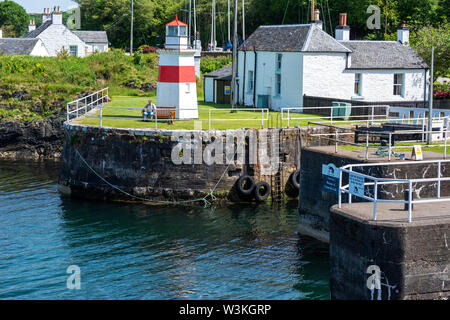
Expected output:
(330, 178)
(356, 185)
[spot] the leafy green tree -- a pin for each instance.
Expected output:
(114, 16)
(12, 14)
(439, 38)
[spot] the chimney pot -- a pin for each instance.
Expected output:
(342, 30)
(342, 19)
(403, 33)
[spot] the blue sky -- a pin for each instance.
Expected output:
(37, 6)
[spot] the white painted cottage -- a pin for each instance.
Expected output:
(56, 36)
(284, 65)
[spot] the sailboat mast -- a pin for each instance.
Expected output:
(235, 40)
(243, 20)
(313, 7)
(190, 22)
(195, 21)
(229, 22)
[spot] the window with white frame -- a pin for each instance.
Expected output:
(251, 81)
(357, 89)
(278, 84)
(73, 51)
(398, 84)
(188, 88)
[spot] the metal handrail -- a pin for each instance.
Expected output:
(349, 169)
(264, 115)
(82, 104)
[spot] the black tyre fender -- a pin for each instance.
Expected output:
(245, 185)
(262, 191)
(295, 179)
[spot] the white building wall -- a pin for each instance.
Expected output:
(57, 36)
(39, 50)
(96, 47)
(209, 89)
(324, 75)
(378, 85)
(291, 79)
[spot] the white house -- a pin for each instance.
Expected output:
(96, 41)
(56, 36)
(279, 66)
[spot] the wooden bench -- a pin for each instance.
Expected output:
(163, 113)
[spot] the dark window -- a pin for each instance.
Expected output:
(278, 84)
(358, 83)
(398, 84)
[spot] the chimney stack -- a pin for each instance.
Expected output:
(46, 15)
(57, 16)
(317, 21)
(31, 26)
(342, 30)
(403, 34)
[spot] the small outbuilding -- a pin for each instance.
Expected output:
(32, 47)
(217, 85)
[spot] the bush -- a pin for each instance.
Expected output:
(209, 64)
(145, 49)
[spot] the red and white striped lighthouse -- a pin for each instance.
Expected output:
(176, 80)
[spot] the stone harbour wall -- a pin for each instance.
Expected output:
(139, 162)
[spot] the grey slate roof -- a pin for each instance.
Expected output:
(38, 30)
(320, 41)
(9, 46)
(224, 73)
(383, 55)
(92, 36)
(292, 38)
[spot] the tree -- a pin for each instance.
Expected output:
(439, 38)
(114, 16)
(12, 14)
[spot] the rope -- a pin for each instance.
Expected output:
(204, 199)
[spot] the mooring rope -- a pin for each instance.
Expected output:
(204, 199)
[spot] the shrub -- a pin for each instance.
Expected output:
(209, 64)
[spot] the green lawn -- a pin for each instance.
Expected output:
(233, 120)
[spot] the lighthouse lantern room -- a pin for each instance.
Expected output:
(176, 80)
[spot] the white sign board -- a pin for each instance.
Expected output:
(417, 153)
(356, 185)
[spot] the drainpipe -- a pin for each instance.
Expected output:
(243, 77)
(425, 88)
(254, 78)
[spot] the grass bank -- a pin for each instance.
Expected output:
(37, 88)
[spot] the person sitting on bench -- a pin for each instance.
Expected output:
(149, 110)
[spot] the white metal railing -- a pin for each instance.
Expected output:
(335, 118)
(377, 182)
(264, 115)
(80, 107)
(443, 134)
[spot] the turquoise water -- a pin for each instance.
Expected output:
(143, 252)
